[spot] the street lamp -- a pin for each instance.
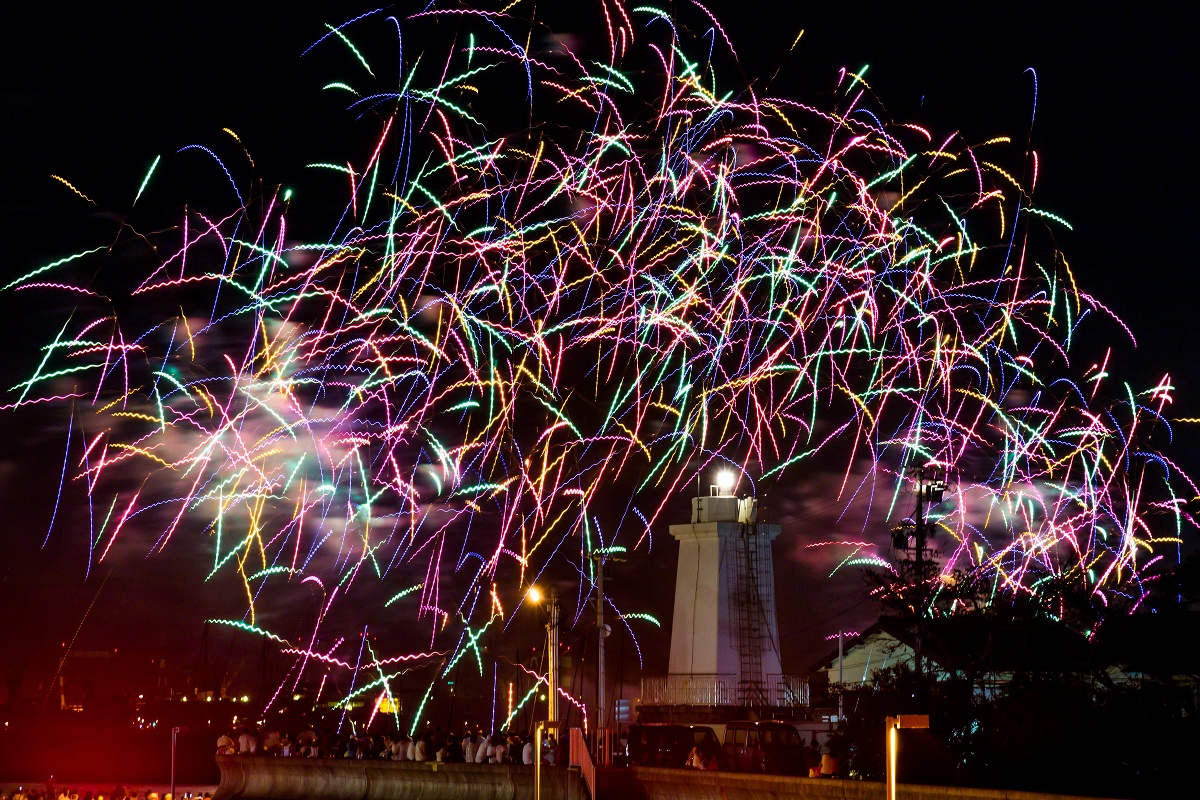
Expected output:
(536, 596)
(725, 481)
(893, 726)
(174, 737)
(537, 762)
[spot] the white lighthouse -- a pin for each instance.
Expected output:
(724, 635)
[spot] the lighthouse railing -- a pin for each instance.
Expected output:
(786, 691)
(691, 690)
(581, 758)
(696, 689)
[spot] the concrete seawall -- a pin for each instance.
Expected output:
(647, 783)
(267, 778)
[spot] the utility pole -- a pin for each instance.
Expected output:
(841, 682)
(552, 658)
(601, 716)
(603, 740)
(931, 487)
(920, 567)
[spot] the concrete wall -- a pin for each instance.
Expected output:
(267, 778)
(647, 783)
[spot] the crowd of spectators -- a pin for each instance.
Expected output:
(472, 747)
(50, 792)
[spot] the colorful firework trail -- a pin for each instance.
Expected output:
(520, 341)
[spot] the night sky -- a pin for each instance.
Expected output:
(94, 95)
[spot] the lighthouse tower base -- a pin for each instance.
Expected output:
(724, 661)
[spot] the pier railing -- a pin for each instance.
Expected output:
(580, 757)
(697, 689)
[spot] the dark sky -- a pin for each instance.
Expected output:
(94, 95)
